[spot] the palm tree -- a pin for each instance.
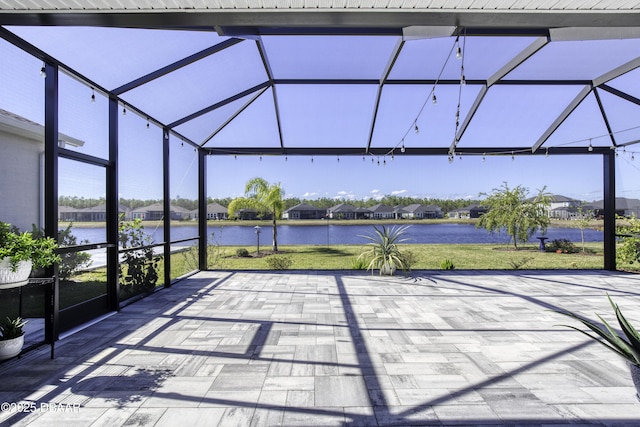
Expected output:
(263, 197)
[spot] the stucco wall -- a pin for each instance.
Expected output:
(20, 180)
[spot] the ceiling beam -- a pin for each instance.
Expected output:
(469, 117)
(525, 54)
(617, 72)
(274, 93)
(562, 117)
(384, 151)
(219, 104)
(233, 116)
(324, 18)
(603, 113)
(620, 94)
(385, 75)
(176, 66)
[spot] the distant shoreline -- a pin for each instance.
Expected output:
(595, 224)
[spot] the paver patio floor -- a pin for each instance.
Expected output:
(339, 348)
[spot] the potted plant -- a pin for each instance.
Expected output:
(384, 254)
(20, 252)
(625, 344)
(11, 337)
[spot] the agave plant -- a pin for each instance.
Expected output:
(626, 345)
(384, 253)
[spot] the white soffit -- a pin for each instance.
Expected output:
(248, 5)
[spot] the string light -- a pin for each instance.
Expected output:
(43, 71)
(147, 122)
(124, 110)
(286, 159)
(402, 149)
(384, 161)
(93, 96)
(546, 153)
(434, 100)
(338, 159)
(311, 159)
(484, 158)
(590, 146)
(235, 157)
(633, 157)
(415, 127)
(458, 49)
(513, 157)
(450, 158)
(260, 158)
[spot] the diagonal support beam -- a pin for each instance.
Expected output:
(233, 116)
(562, 117)
(529, 51)
(219, 104)
(269, 71)
(605, 118)
(175, 66)
(467, 120)
(617, 72)
(620, 94)
(385, 75)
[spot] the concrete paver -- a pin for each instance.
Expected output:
(339, 348)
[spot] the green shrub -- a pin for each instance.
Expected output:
(563, 245)
(358, 263)
(279, 262)
(447, 264)
(242, 253)
(629, 249)
(408, 259)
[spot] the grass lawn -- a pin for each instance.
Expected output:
(427, 256)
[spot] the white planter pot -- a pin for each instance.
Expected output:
(11, 348)
(10, 279)
(635, 376)
(387, 270)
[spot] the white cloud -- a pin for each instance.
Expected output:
(378, 197)
(374, 191)
(310, 194)
(342, 193)
(396, 192)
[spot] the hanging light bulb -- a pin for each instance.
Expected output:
(484, 158)
(450, 158)
(338, 159)
(434, 100)
(513, 157)
(458, 50)
(260, 158)
(372, 160)
(124, 110)
(415, 128)
(590, 146)
(633, 157)
(235, 157)
(43, 71)
(311, 159)
(463, 80)
(384, 161)
(286, 159)
(392, 156)
(147, 122)
(93, 96)
(546, 153)
(402, 149)
(363, 158)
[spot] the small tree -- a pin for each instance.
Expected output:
(584, 221)
(512, 210)
(629, 249)
(263, 197)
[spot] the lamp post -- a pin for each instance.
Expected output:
(257, 228)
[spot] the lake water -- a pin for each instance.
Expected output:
(331, 234)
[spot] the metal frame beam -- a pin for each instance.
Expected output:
(166, 194)
(562, 117)
(202, 210)
(603, 113)
(176, 66)
(385, 151)
(385, 74)
(274, 92)
(112, 210)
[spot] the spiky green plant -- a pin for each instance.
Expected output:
(11, 328)
(626, 345)
(384, 252)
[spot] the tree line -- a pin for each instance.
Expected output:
(446, 205)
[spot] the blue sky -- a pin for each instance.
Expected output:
(329, 115)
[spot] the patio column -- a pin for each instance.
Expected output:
(51, 152)
(202, 209)
(112, 208)
(609, 184)
(167, 207)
